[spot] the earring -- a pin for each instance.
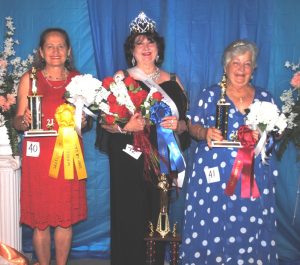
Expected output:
(133, 61)
(224, 77)
(157, 58)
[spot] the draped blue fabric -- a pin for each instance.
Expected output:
(196, 32)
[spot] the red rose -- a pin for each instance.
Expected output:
(107, 81)
(138, 98)
(131, 83)
(157, 96)
(113, 108)
(245, 136)
(128, 81)
(111, 99)
(109, 119)
(123, 112)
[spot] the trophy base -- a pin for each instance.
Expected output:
(40, 133)
(226, 144)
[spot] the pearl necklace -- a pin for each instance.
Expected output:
(155, 75)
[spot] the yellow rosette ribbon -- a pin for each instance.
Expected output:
(67, 145)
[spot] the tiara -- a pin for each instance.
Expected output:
(142, 24)
(239, 43)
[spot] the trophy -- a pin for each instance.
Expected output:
(35, 105)
(222, 120)
(163, 224)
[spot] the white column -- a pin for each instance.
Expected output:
(10, 229)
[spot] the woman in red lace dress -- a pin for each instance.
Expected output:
(46, 201)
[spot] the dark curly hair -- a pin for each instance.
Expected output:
(151, 36)
(39, 62)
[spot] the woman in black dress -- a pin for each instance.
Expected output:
(135, 200)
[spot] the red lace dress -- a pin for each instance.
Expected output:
(46, 201)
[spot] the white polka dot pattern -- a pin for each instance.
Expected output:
(227, 230)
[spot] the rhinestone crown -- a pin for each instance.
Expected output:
(142, 24)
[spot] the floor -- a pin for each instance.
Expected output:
(83, 262)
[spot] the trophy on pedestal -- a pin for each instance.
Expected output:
(163, 224)
(35, 105)
(222, 119)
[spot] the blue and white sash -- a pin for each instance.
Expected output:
(165, 137)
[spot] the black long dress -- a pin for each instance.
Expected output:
(134, 201)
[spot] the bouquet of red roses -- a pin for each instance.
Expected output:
(118, 99)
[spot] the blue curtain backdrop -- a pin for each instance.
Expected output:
(196, 32)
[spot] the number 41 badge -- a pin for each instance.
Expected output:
(212, 174)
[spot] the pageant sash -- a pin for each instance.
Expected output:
(151, 84)
(12, 255)
(243, 167)
(67, 146)
(135, 71)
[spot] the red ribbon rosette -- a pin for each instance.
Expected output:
(243, 166)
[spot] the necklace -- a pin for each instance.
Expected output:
(52, 78)
(155, 75)
(57, 79)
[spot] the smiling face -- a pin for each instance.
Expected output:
(54, 50)
(239, 69)
(145, 50)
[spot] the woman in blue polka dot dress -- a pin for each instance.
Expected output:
(222, 229)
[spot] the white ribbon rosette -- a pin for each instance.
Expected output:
(82, 92)
(265, 117)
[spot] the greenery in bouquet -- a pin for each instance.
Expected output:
(291, 108)
(11, 70)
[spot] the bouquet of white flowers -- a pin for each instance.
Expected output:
(266, 118)
(81, 92)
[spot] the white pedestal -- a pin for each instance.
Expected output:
(10, 229)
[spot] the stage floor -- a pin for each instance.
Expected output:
(84, 262)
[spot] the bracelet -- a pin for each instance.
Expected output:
(23, 123)
(23, 120)
(121, 130)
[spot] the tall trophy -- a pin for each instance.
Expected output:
(222, 120)
(163, 224)
(35, 106)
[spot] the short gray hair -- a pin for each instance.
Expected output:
(239, 47)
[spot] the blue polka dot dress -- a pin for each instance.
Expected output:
(221, 229)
